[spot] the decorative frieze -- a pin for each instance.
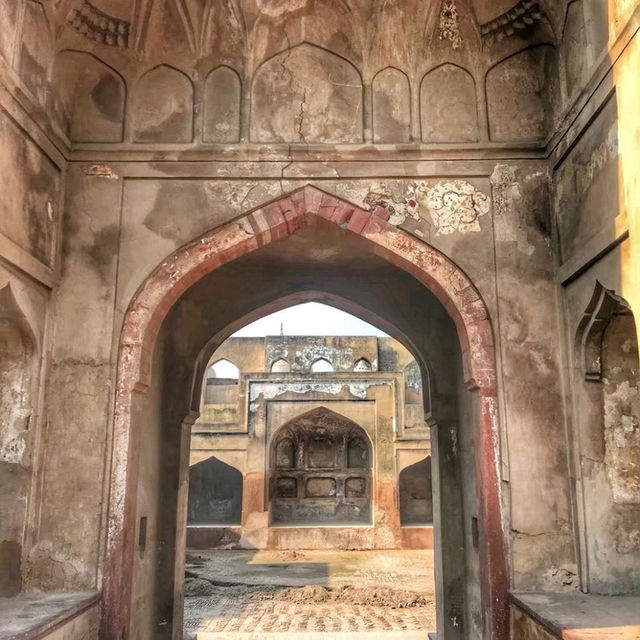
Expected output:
(449, 29)
(96, 25)
(516, 20)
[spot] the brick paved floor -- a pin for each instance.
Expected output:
(268, 611)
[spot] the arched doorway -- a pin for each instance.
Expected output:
(300, 246)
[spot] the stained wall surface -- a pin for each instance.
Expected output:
(509, 145)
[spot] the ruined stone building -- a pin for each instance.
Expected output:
(463, 174)
(318, 427)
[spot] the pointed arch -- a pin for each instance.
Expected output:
(280, 366)
(362, 364)
(162, 106)
(279, 219)
(224, 368)
(321, 365)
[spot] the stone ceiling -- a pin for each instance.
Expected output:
(258, 28)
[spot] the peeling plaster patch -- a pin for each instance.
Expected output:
(244, 224)
(622, 440)
(101, 171)
(506, 190)
(598, 160)
(562, 577)
(13, 450)
(451, 206)
(269, 391)
(399, 204)
(456, 206)
(449, 29)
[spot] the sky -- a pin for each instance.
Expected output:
(309, 319)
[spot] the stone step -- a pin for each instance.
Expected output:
(314, 635)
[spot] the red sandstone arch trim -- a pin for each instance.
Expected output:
(279, 219)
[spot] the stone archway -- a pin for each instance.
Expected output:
(282, 218)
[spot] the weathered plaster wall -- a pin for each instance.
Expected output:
(128, 206)
(342, 352)
(248, 354)
(593, 217)
(33, 171)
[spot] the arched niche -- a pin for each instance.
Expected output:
(610, 358)
(417, 409)
(321, 365)
(307, 94)
(415, 494)
(224, 369)
(358, 453)
(362, 364)
(18, 355)
(215, 494)
(222, 95)
(280, 366)
(448, 105)
(162, 107)
(522, 94)
(320, 471)
(285, 455)
(608, 416)
(391, 97)
(91, 97)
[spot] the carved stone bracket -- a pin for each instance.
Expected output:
(516, 20)
(96, 25)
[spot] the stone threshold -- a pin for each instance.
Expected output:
(312, 635)
(581, 616)
(29, 617)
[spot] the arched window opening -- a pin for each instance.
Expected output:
(412, 383)
(330, 483)
(215, 494)
(220, 388)
(321, 365)
(415, 424)
(416, 500)
(362, 365)
(223, 369)
(280, 366)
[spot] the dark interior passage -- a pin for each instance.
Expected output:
(215, 493)
(416, 500)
